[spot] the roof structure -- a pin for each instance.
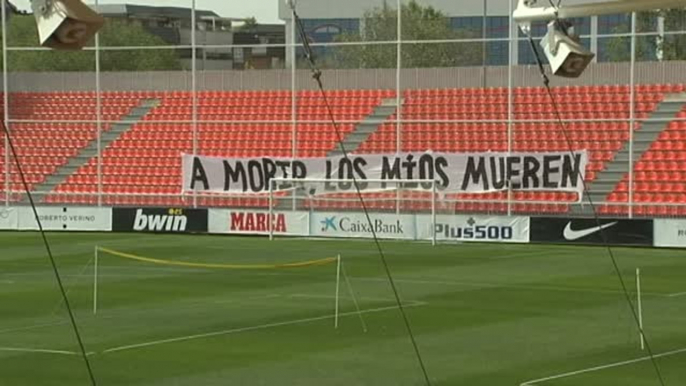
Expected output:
(150, 12)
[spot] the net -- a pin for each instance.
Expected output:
(398, 209)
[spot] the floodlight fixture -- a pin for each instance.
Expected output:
(65, 24)
(561, 45)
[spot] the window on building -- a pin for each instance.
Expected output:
(327, 29)
(497, 27)
(474, 24)
(675, 21)
(613, 24)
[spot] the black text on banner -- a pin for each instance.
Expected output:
(670, 233)
(453, 172)
(473, 228)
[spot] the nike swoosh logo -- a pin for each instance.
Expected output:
(571, 234)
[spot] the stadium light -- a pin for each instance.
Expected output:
(561, 45)
(65, 24)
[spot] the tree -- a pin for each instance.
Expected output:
(671, 47)
(22, 33)
(419, 23)
(250, 24)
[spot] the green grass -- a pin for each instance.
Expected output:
(483, 314)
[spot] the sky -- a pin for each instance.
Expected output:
(265, 11)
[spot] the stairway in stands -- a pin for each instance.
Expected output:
(539, 132)
(143, 167)
(49, 134)
(659, 187)
(86, 159)
(354, 140)
(645, 134)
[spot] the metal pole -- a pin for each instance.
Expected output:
(588, 8)
(271, 209)
(398, 89)
(194, 90)
(294, 90)
(510, 91)
(483, 45)
(6, 101)
(294, 100)
(632, 113)
(95, 283)
(509, 198)
(338, 286)
(98, 113)
(640, 308)
(398, 97)
(433, 214)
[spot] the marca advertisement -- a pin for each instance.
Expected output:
(258, 222)
(356, 225)
(54, 218)
(160, 220)
(474, 228)
(670, 233)
(591, 231)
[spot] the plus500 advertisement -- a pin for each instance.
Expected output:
(474, 228)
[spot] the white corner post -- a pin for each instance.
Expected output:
(95, 282)
(338, 286)
(640, 309)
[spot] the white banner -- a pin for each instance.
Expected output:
(256, 222)
(669, 233)
(66, 218)
(9, 218)
(453, 173)
(474, 228)
(386, 226)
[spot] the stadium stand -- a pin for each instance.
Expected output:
(252, 123)
(155, 144)
(47, 131)
(658, 176)
(602, 136)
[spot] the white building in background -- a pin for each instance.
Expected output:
(325, 19)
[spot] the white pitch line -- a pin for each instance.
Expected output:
(516, 255)
(603, 367)
(38, 351)
(33, 327)
(677, 295)
(252, 328)
(267, 296)
(505, 285)
(306, 296)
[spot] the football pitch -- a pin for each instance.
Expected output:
(482, 314)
